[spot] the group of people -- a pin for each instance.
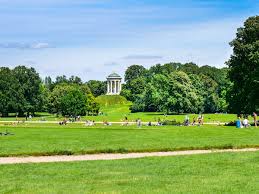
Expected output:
(89, 123)
(195, 121)
(245, 123)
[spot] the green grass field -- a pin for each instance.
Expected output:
(52, 139)
(116, 113)
(116, 108)
(211, 173)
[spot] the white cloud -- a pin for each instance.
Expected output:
(40, 45)
(142, 57)
(18, 45)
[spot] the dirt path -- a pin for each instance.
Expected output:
(46, 159)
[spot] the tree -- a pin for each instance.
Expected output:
(72, 99)
(73, 102)
(75, 80)
(244, 68)
(171, 94)
(10, 91)
(97, 88)
(189, 68)
(48, 82)
(30, 86)
(134, 71)
(63, 79)
(165, 69)
(183, 95)
(134, 88)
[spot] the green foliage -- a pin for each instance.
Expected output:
(20, 90)
(244, 68)
(133, 72)
(133, 88)
(72, 99)
(97, 88)
(176, 87)
(73, 102)
(173, 93)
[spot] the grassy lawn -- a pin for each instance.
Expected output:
(212, 173)
(51, 139)
(119, 112)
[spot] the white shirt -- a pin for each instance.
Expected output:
(245, 122)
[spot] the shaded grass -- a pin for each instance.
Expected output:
(50, 139)
(209, 173)
(118, 112)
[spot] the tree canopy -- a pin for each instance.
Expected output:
(20, 90)
(243, 96)
(177, 88)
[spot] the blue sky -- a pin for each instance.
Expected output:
(92, 38)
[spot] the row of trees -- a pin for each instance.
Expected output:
(23, 92)
(176, 88)
(69, 96)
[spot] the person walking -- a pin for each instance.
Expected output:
(255, 119)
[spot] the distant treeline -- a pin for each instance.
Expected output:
(23, 92)
(177, 88)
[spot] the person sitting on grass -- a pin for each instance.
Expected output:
(106, 123)
(200, 120)
(246, 122)
(126, 122)
(89, 123)
(194, 121)
(186, 121)
(139, 122)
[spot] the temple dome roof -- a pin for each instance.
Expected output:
(114, 75)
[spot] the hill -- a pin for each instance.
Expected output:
(109, 100)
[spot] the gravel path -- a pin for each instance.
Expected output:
(46, 159)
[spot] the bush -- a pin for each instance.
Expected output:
(173, 122)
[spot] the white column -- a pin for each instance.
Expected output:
(116, 87)
(111, 87)
(119, 86)
(108, 87)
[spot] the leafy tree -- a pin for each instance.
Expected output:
(73, 102)
(189, 68)
(174, 93)
(97, 88)
(134, 88)
(10, 91)
(244, 68)
(134, 71)
(72, 99)
(29, 83)
(183, 95)
(61, 79)
(48, 82)
(75, 80)
(165, 69)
